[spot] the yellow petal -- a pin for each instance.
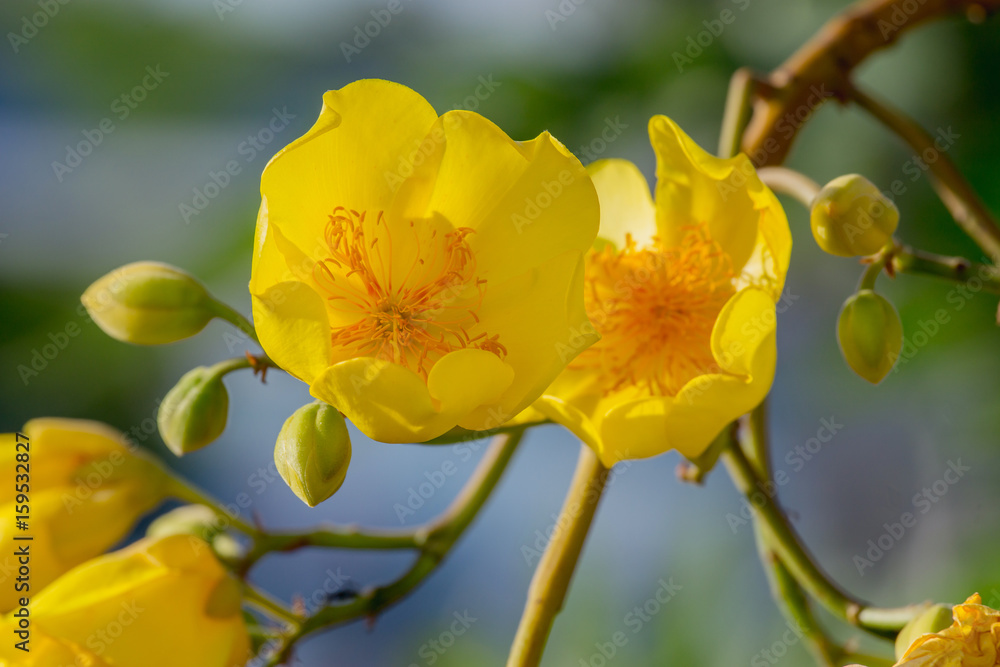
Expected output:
(528, 202)
(368, 132)
(390, 403)
(291, 322)
(160, 592)
(743, 345)
(626, 204)
(742, 214)
(576, 421)
(540, 319)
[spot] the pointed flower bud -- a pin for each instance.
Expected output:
(851, 217)
(172, 600)
(870, 335)
(149, 303)
(934, 619)
(313, 451)
(194, 412)
(89, 487)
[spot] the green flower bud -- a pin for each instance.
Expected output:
(870, 335)
(313, 451)
(149, 303)
(934, 619)
(851, 217)
(194, 412)
(195, 520)
(202, 522)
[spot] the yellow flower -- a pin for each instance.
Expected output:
(156, 603)
(419, 271)
(683, 295)
(86, 491)
(973, 640)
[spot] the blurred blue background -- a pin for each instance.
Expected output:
(223, 70)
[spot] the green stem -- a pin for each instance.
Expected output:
(434, 540)
(225, 312)
(788, 594)
(965, 206)
(255, 361)
(555, 570)
(956, 269)
(187, 492)
(737, 111)
(883, 622)
(785, 590)
(790, 182)
(874, 269)
(269, 605)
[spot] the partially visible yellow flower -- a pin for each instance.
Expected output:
(683, 293)
(157, 603)
(87, 490)
(973, 640)
(418, 272)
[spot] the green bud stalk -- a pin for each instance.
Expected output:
(313, 452)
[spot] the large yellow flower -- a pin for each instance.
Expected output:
(419, 271)
(157, 603)
(973, 640)
(86, 489)
(683, 293)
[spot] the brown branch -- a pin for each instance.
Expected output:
(821, 69)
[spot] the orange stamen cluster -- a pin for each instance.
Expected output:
(410, 315)
(655, 308)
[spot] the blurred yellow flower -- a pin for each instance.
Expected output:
(158, 603)
(419, 271)
(973, 640)
(87, 490)
(683, 294)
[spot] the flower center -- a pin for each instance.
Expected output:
(655, 308)
(410, 308)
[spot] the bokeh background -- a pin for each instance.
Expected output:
(230, 65)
